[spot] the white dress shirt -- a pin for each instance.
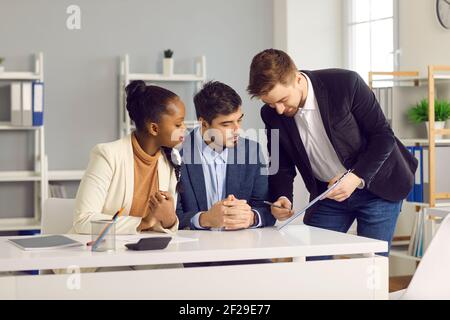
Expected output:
(324, 161)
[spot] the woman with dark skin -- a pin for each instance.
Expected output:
(139, 172)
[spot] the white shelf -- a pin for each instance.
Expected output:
(11, 76)
(65, 175)
(402, 253)
(162, 78)
(8, 127)
(19, 176)
(19, 224)
(441, 212)
(424, 141)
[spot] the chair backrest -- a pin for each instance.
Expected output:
(432, 277)
(57, 217)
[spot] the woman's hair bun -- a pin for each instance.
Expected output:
(134, 90)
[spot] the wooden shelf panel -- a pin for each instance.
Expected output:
(442, 131)
(424, 142)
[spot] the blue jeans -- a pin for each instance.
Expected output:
(376, 218)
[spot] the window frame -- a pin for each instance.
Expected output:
(348, 24)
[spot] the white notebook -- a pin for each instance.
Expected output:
(45, 243)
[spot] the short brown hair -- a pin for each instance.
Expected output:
(268, 68)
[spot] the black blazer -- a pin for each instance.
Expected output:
(358, 131)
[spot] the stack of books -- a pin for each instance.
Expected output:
(419, 192)
(57, 190)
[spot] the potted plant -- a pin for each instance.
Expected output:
(168, 63)
(2, 68)
(419, 114)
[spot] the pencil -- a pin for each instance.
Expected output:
(275, 206)
(114, 218)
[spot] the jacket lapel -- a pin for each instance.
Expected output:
(195, 170)
(197, 181)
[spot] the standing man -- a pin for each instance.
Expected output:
(329, 121)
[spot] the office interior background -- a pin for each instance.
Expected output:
(82, 67)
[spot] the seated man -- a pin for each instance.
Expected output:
(223, 177)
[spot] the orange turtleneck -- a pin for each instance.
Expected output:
(145, 179)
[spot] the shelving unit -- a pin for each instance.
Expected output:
(433, 74)
(126, 77)
(436, 75)
(38, 175)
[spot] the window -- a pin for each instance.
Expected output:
(371, 35)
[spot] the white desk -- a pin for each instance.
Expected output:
(363, 277)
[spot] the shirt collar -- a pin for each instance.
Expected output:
(310, 99)
(207, 152)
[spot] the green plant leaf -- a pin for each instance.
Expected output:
(419, 112)
(168, 53)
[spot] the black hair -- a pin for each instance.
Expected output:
(216, 98)
(148, 103)
(176, 167)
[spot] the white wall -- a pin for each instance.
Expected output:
(310, 31)
(315, 33)
(422, 40)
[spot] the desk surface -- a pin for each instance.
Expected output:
(267, 243)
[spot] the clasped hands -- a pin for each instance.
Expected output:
(229, 214)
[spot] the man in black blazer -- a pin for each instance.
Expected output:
(327, 122)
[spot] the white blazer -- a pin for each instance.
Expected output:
(108, 185)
